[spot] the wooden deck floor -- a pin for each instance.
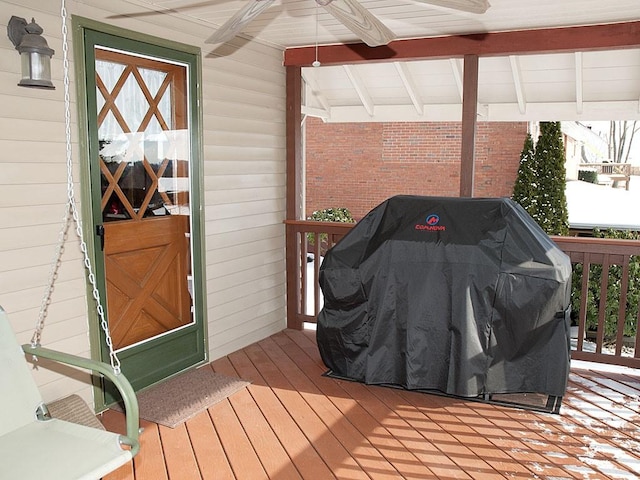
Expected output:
(293, 423)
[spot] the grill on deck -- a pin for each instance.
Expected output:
(463, 297)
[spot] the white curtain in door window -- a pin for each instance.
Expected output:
(116, 144)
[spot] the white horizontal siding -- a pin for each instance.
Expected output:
(249, 153)
(256, 138)
(32, 178)
(243, 237)
(226, 182)
(32, 130)
(263, 193)
(26, 237)
(235, 278)
(241, 335)
(23, 107)
(243, 102)
(33, 173)
(33, 151)
(232, 253)
(68, 305)
(245, 264)
(18, 216)
(42, 194)
(241, 224)
(243, 209)
(40, 255)
(30, 277)
(243, 175)
(242, 315)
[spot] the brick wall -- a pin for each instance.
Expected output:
(359, 165)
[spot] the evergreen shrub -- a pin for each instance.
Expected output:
(613, 291)
(340, 214)
(541, 180)
(588, 175)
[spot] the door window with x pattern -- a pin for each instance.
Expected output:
(143, 140)
(142, 135)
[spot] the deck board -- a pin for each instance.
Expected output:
(178, 453)
(323, 439)
(306, 459)
(316, 395)
(292, 422)
(237, 446)
(356, 409)
(271, 453)
(212, 461)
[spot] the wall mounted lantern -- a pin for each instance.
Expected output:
(35, 54)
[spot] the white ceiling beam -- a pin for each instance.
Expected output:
(516, 73)
(483, 111)
(591, 111)
(315, 112)
(503, 112)
(397, 113)
(409, 85)
(579, 83)
(456, 68)
(360, 88)
(313, 89)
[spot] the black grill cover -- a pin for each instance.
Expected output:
(463, 296)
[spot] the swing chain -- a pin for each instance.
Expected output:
(53, 275)
(71, 211)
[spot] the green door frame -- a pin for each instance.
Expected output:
(137, 43)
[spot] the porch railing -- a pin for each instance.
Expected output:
(605, 260)
(610, 172)
(604, 281)
(306, 243)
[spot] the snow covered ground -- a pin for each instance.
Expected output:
(592, 205)
(311, 288)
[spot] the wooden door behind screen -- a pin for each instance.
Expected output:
(142, 123)
(146, 224)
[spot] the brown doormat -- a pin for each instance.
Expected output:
(184, 396)
(73, 409)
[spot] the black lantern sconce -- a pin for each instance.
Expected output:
(35, 54)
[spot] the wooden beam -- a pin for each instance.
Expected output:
(469, 121)
(569, 39)
(294, 142)
(295, 185)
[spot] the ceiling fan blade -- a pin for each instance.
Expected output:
(235, 24)
(360, 21)
(473, 6)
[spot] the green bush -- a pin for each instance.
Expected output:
(540, 183)
(340, 214)
(589, 175)
(613, 291)
(525, 189)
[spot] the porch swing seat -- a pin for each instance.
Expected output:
(32, 447)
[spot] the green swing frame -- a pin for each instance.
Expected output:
(63, 450)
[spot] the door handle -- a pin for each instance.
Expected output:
(100, 233)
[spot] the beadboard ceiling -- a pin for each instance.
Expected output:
(289, 23)
(563, 86)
